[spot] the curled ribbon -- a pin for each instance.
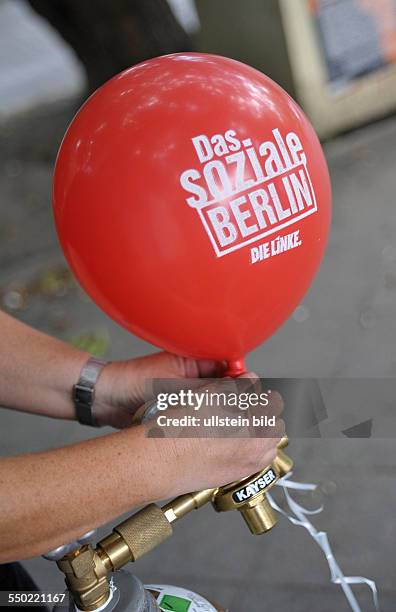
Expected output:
(298, 516)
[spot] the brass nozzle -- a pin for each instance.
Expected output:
(248, 495)
(259, 517)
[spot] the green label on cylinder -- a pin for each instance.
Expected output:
(175, 604)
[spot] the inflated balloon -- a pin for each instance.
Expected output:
(192, 201)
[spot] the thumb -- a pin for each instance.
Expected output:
(168, 365)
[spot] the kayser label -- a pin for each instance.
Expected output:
(255, 487)
(244, 193)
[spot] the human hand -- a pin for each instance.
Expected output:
(121, 388)
(195, 462)
(204, 457)
(213, 408)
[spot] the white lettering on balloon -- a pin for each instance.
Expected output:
(245, 192)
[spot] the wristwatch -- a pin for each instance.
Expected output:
(84, 391)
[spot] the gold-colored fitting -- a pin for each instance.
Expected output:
(259, 516)
(248, 496)
(86, 578)
(87, 570)
(184, 504)
(134, 537)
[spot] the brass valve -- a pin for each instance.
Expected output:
(248, 496)
(86, 577)
(87, 570)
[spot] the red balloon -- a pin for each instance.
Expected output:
(192, 200)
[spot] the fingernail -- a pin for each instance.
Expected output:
(251, 375)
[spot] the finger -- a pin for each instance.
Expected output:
(276, 402)
(203, 368)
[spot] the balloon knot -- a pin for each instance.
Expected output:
(235, 367)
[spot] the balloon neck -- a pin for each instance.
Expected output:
(235, 367)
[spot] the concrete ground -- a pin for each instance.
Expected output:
(344, 328)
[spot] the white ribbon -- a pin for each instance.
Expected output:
(298, 516)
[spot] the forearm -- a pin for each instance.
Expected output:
(37, 372)
(50, 498)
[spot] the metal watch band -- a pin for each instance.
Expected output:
(84, 391)
(150, 411)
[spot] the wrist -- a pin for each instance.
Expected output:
(84, 392)
(171, 470)
(107, 393)
(67, 375)
(50, 384)
(117, 399)
(37, 370)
